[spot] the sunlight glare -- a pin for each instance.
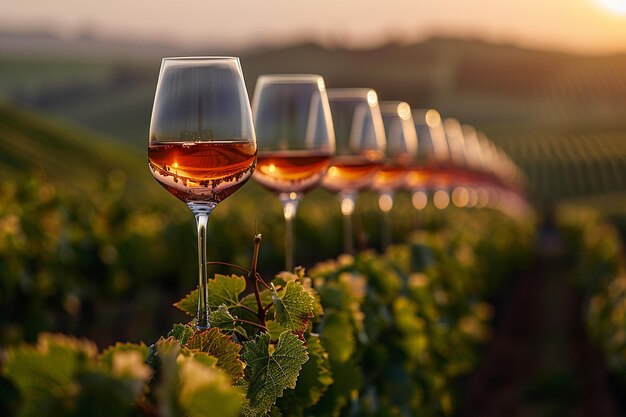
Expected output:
(613, 6)
(372, 98)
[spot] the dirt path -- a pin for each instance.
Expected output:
(540, 362)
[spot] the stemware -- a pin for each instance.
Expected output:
(296, 140)
(400, 153)
(432, 156)
(360, 147)
(202, 145)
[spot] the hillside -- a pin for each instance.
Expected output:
(64, 154)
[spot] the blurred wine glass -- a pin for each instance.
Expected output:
(296, 140)
(202, 146)
(433, 158)
(400, 152)
(360, 147)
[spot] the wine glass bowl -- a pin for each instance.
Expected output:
(202, 145)
(401, 146)
(360, 136)
(293, 122)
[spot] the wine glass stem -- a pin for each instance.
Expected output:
(386, 204)
(290, 206)
(202, 212)
(347, 208)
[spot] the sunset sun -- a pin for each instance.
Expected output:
(613, 6)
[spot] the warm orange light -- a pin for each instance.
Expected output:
(433, 118)
(419, 200)
(404, 111)
(441, 199)
(483, 197)
(272, 168)
(289, 211)
(372, 98)
(347, 206)
(385, 202)
(460, 197)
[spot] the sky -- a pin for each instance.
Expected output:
(581, 26)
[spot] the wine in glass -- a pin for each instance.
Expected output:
(202, 146)
(401, 151)
(296, 140)
(360, 148)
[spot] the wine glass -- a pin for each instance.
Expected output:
(202, 146)
(432, 156)
(360, 136)
(401, 151)
(296, 140)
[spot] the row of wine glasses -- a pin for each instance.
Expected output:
(203, 146)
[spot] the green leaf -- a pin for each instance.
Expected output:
(189, 304)
(106, 357)
(293, 306)
(337, 336)
(222, 319)
(205, 391)
(275, 329)
(223, 289)
(182, 333)
(205, 358)
(44, 374)
(271, 369)
(220, 345)
(166, 389)
(314, 380)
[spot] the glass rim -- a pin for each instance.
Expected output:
(289, 77)
(348, 93)
(200, 58)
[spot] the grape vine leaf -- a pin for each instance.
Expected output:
(314, 380)
(205, 391)
(270, 369)
(166, 389)
(274, 329)
(44, 373)
(293, 306)
(223, 289)
(285, 277)
(222, 318)
(220, 345)
(106, 357)
(189, 304)
(182, 333)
